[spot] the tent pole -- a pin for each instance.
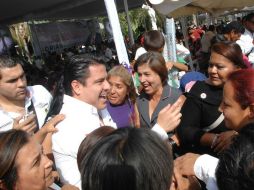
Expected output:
(194, 18)
(117, 33)
(183, 22)
(170, 39)
(129, 22)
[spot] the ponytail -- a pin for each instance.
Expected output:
(57, 102)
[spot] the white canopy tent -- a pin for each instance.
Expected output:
(179, 8)
(186, 11)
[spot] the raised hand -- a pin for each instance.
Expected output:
(170, 116)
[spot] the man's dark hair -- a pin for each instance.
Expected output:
(8, 62)
(233, 26)
(153, 40)
(76, 69)
(249, 17)
(211, 28)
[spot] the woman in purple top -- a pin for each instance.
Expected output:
(121, 97)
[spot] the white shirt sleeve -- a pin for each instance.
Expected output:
(251, 57)
(66, 143)
(140, 51)
(204, 169)
(245, 42)
(181, 50)
(107, 120)
(160, 131)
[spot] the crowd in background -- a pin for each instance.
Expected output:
(81, 120)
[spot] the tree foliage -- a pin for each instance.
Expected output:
(140, 21)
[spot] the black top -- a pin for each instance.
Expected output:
(198, 112)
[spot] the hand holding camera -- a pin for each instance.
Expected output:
(26, 122)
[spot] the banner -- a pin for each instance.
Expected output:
(57, 36)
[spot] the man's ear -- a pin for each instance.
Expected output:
(76, 87)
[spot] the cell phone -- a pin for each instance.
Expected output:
(26, 116)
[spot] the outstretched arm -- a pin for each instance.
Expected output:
(49, 127)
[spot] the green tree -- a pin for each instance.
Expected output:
(140, 21)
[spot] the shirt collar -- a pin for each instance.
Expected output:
(166, 93)
(78, 104)
(29, 96)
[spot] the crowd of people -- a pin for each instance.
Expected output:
(91, 126)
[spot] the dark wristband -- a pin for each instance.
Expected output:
(172, 143)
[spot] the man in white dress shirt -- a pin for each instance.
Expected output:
(246, 41)
(81, 97)
(21, 106)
